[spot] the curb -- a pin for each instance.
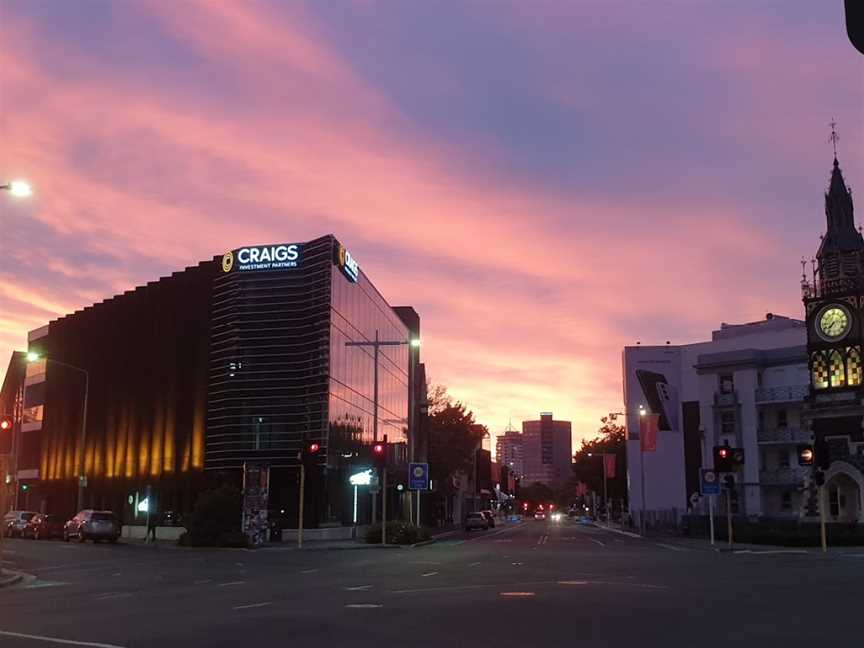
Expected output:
(424, 543)
(619, 531)
(12, 578)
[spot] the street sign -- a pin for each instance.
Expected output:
(418, 476)
(710, 482)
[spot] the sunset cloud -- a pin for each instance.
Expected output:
(543, 186)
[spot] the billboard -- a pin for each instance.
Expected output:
(652, 382)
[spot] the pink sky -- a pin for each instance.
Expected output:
(544, 183)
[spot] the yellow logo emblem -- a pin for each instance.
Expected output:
(227, 261)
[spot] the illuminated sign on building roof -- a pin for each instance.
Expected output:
(349, 267)
(265, 257)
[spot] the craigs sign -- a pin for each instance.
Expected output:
(346, 263)
(267, 257)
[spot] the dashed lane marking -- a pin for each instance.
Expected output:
(474, 564)
(364, 606)
(252, 605)
(598, 542)
(112, 595)
(39, 584)
(203, 581)
(516, 594)
(57, 640)
(230, 583)
(308, 571)
(429, 574)
(359, 588)
(573, 582)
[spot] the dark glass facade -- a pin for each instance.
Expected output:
(239, 359)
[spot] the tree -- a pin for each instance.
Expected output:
(610, 439)
(454, 436)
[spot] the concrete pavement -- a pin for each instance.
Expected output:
(538, 584)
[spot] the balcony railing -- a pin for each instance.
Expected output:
(782, 476)
(782, 435)
(782, 393)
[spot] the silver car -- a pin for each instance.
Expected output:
(92, 525)
(15, 521)
(476, 521)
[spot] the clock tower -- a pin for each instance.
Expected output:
(834, 308)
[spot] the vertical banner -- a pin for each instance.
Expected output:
(256, 491)
(648, 432)
(610, 465)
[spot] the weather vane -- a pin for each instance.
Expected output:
(834, 138)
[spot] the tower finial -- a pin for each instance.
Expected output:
(834, 137)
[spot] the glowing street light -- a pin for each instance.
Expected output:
(18, 188)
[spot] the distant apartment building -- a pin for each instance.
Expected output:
(509, 452)
(547, 450)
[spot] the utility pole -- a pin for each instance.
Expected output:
(300, 515)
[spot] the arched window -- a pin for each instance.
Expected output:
(837, 369)
(853, 366)
(819, 371)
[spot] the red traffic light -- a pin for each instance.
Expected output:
(551, 507)
(5, 423)
(524, 506)
(723, 453)
(314, 447)
(378, 448)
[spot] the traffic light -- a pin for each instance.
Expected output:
(6, 421)
(309, 452)
(524, 506)
(722, 458)
(25, 488)
(805, 455)
(737, 456)
(379, 453)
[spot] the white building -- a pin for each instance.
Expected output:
(687, 386)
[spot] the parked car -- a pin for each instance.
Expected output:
(476, 521)
(14, 522)
(92, 525)
(43, 526)
(490, 516)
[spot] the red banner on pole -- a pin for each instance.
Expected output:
(610, 465)
(648, 432)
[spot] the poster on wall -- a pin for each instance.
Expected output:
(651, 381)
(256, 492)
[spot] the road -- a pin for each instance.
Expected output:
(537, 584)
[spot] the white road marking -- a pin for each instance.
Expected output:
(426, 562)
(517, 564)
(112, 595)
(38, 584)
(57, 640)
(515, 593)
(359, 588)
(573, 582)
(202, 581)
(308, 571)
(229, 583)
(602, 544)
(363, 606)
(671, 547)
(252, 605)
(474, 564)
(429, 574)
(770, 552)
(117, 574)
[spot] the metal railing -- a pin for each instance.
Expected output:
(782, 393)
(782, 435)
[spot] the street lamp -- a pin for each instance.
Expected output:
(642, 413)
(82, 477)
(603, 456)
(18, 188)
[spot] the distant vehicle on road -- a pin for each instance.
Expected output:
(15, 521)
(43, 526)
(539, 515)
(556, 516)
(92, 525)
(476, 521)
(490, 517)
(586, 519)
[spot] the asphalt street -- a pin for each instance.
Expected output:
(536, 584)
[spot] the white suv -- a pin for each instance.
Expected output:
(15, 521)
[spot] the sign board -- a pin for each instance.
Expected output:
(265, 257)
(709, 482)
(418, 476)
(346, 263)
(363, 478)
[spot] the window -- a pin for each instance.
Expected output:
(727, 423)
(786, 501)
(853, 366)
(819, 370)
(837, 369)
(782, 420)
(727, 385)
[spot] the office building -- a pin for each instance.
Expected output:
(509, 451)
(546, 450)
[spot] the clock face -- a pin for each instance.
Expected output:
(834, 323)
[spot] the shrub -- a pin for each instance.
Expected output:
(397, 533)
(215, 520)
